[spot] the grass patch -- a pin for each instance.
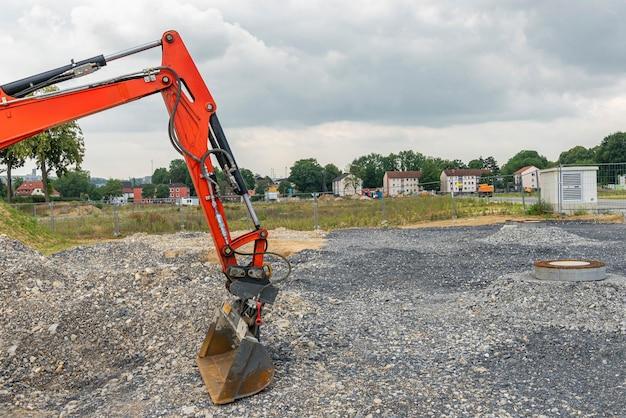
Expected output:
(612, 194)
(28, 230)
(517, 194)
(295, 215)
(540, 208)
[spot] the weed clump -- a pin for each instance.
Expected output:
(540, 208)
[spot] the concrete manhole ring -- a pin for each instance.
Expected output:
(570, 270)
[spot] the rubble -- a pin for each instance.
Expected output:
(389, 322)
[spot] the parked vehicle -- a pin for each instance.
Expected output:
(485, 190)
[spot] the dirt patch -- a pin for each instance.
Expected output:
(83, 210)
(500, 219)
(282, 241)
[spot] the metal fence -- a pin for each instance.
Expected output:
(596, 188)
(567, 189)
(599, 188)
(303, 211)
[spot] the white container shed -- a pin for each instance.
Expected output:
(570, 188)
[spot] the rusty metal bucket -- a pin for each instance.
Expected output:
(232, 362)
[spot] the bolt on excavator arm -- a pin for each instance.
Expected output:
(232, 362)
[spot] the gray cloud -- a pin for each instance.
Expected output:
(296, 67)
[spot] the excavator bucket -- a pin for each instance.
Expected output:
(232, 362)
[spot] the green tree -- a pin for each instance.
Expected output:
(95, 193)
(161, 176)
(410, 160)
(284, 186)
(488, 163)
(57, 149)
(162, 191)
(522, 159)
(3, 189)
(307, 175)
(478, 163)
(248, 177)
(148, 191)
(179, 172)
(612, 149)
(73, 184)
(329, 174)
(390, 162)
(112, 188)
(578, 155)
(491, 164)
(13, 157)
(17, 183)
(458, 164)
(370, 169)
(262, 184)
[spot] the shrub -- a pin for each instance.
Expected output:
(540, 208)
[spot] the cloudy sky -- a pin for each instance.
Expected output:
(337, 79)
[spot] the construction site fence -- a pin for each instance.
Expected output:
(568, 189)
(301, 211)
(571, 189)
(586, 188)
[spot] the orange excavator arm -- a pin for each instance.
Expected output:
(196, 133)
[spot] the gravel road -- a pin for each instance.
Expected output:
(379, 322)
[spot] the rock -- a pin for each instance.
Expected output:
(59, 367)
(11, 350)
(188, 410)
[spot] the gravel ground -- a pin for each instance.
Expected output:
(380, 322)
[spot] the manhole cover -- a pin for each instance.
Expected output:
(570, 270)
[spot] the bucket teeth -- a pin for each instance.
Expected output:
(232, 362)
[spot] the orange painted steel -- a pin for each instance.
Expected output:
(23, 118)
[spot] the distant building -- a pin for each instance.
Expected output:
(178, 191)
(401, 182)
(461, 180)
(137, 194)
(527, 177)
(347, 185)
(188, 201)
(33, 176)
(33, 188)
(127, 191)
(272, 196)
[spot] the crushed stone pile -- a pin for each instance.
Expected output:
(536, 236)
(519, 298)
(109, 326)
(378, 322)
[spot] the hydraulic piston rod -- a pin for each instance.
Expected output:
(25, 86)
(132, 51)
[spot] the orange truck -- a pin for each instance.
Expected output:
(485, 190)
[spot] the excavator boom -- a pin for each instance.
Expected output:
(231, 360)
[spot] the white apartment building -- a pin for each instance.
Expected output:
(347, 185)
(397, 183)
(461, 180)
(527, 177)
